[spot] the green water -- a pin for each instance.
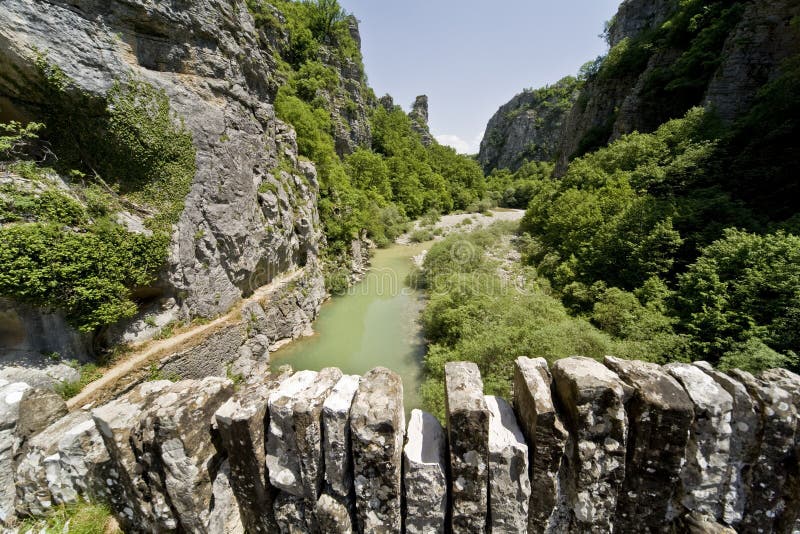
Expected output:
(374, 324)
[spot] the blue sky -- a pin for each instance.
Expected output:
(472, 56)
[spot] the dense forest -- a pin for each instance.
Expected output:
(675, 245)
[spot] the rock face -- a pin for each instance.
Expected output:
(294, 443)
(769, 474)
(660, 415)
(377, 423)
(593, 398)
(705, 475)
(336, 432)
(509, 485)
(242, 421)
(546, 437)
(641, 454)
(468, 435)
(26, 333)
(425, 474)
(744, 444)
(419, 119)
(244, 222)
(528, 127)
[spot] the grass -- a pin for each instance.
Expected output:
(79, 518)
(89, 373)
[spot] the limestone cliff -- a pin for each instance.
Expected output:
(251, 210)
(527, 127)
(665, 57)
(653, 74)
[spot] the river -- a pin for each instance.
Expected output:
(374, 324)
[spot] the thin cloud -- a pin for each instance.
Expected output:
(462, 146)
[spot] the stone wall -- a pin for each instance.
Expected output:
(583, 446)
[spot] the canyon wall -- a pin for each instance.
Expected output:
(583, 446)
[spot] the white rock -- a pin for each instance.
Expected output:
(425, 474)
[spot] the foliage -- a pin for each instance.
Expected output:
(15, 137)
(89, 372)
(516, 190)
(475, 315)
(743, 286)
(80, 518)
(88, 275)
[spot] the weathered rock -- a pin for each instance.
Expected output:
(419, 119)
(336, 435)
(790, 519)
(296, 429)
(593, 400)
(546, 437)
(769, 475)
(695, 523)
(174, 438)
(224, 516)
(509, 485)
(290, 514)
(65, 461)
(468, 435)
(425, 475)
(47, 377)
(527, 128)
(141, 506)
(242, 423)
(10, 396)
(377, 424)
(705, 476)
(38, 409)
(332, 516)
(660, 415)
(159, 440)
(294, 442)
(745, 427)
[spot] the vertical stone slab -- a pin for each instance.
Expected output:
(294, 442)
(242, 424)
(377, 423)
(468, 434)
(766, 500)
(546, 437)
(425, 475)
(174, 439)
(225, 516)
(660, 415)
(790, 519)
(592, 396)
(283, 457)
(705, 476)
(10, 396)
(336, 436)
(745, 426)
(138, 503)
(509, 485)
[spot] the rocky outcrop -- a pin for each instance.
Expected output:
(635, 16)
(377, 424)
(509, 485)
(593, 398)
(468, 435)
(425, 475)
(244, 221)
(660, 415)
(528, 127)
(27, 333)
(203, 456)
(419, 119)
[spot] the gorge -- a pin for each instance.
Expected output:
(240, 292)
